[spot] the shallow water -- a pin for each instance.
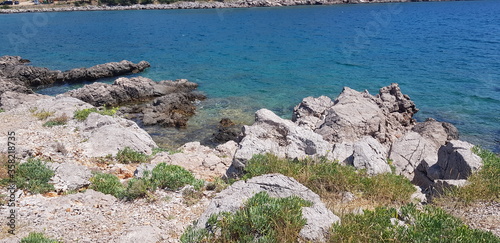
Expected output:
(445, 55)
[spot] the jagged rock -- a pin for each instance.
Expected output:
(369, 154)
(14, 67)
(319, 218)
(412, 151)
(272, 134)
(69, 176)
(168, 103)
(311, 111)
(354, 115)
(202, 161)
(457, 161)
(107, 135)
(439, 132)
(142, 234)
(418, 195)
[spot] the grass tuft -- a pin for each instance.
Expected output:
(128, 155)
(81, 115)
(173, 177)
(332, 179)
(35, 237)
(41, 115)
(432, 224)
(58, 121)
(262, 219)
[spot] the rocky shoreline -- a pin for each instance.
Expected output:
(205, 5)
(375, 133)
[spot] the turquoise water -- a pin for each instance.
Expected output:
(445, 55)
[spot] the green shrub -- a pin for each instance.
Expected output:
(81, 115)
(107, 184)
(34, 237)
(2, 110)
(324, 177)
(484, 184)
(34, 176)
(173, 177)
(262, 219)
(137, 188)
(128, 155)
(58, 121)
(429, 225)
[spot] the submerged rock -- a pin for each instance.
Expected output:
(319, 218)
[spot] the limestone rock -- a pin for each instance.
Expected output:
(311, 111)
(439, 132)
(168, 103)
(457, 161)
(10, 100)
(369, 154)
(202, 161)
(319, 218)
(272, 134)
(107, 135)
(70, 176)
(142, 234)
(411, 151)
(354, 115)
(343, 152)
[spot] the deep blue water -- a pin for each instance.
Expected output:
(445, 55)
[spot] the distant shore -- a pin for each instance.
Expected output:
(193, 5)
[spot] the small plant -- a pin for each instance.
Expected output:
(34, 176)
(173, 177)
(137, 188)
(58, 121)
(107, 184)
(157, 151)
(2, 110)
(42, 115)
(191, 196)
(262, 219)
(81, 115)
(128, 155)
(35, 237)
(217, 185)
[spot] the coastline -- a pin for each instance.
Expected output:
(203, 5)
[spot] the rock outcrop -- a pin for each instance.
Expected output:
(70, 177)
(168, 103)
(272, 134)
(369, 154)
(438, 132)
(204, 162)
(319, 218)
(456, 161)
(14, 67)
(354, 115)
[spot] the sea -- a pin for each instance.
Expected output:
(444, 55)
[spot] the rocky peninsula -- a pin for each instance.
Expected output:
(374, 134)
(200, 5)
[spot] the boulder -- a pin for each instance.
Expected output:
(369, 154)
(409, 152)
(457, 161)
(69, 176)
(107, 135)
(227, 130)
(272, 134)
(343, 152)
(319, 218)
(438, 132)
(10, 100)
